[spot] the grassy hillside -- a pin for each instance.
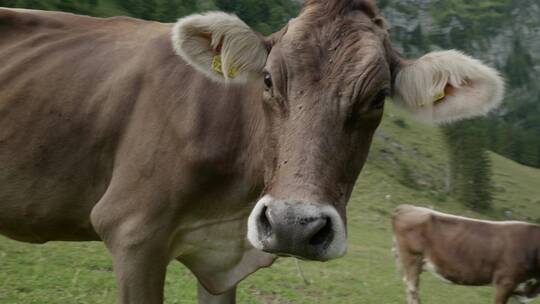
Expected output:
(407, 164)
(518, 188)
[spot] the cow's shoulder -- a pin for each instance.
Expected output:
(410, 216)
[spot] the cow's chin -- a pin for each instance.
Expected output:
(305, 230)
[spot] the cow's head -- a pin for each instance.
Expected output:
(326, 77)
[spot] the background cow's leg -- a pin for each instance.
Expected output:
(207, 298)
(503, 291)
(412, 268)
(519, 300)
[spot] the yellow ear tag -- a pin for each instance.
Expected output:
(232, 71)
(217, 67)
(216, 64)
(439, 97)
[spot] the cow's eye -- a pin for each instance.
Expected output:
(378, 101)
(268, 80)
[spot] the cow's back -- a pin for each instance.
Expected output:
(67, 87)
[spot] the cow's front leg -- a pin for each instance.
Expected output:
(138, 242)
(205, 297)
(411, 265)
(412, 268)
(140, 272)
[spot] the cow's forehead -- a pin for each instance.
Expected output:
(335, 7)
(341, 48)
(314, 24)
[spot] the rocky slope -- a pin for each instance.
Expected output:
(506, 35)
(491, 36)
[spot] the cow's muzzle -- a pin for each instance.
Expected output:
(289, 228)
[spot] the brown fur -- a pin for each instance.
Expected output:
(467, 251)
(107, 134)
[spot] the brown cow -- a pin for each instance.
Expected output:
(467, 251)
(162, 139)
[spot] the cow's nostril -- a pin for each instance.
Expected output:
(264, 223)
(324, 236)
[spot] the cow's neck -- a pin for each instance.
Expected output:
(254, 136)
(221, 128)
(233, 124)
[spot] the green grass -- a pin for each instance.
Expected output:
(82, 272)
(518, 188)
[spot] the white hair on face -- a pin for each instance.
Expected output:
(477, 87)
(196, 39)
(253, 229)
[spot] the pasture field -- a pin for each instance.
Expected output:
(406, 165)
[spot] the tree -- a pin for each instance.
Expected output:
(8, 3)
(168, 11)
(33, 4)
(148, 9)
(470, 167)
(418, 38)
(226, 5)
(519, 65)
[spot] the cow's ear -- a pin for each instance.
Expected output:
(446, 86)
(220, 45)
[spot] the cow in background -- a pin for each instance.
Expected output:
(203, 141)
(467, 251)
